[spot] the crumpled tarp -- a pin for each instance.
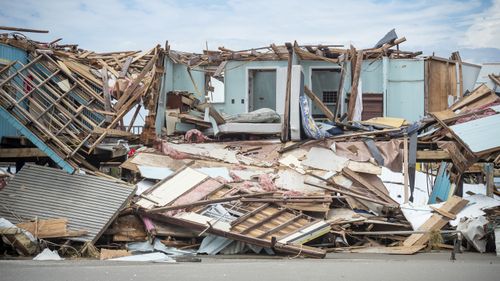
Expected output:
(473, 231)
(391, 152)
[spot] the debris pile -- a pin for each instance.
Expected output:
(201, 181)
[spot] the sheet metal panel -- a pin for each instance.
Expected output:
(480, 134)
(89, 202)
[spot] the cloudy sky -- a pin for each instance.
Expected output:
(108, 25)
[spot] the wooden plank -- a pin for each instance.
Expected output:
(50, 228)
(454, 205)
(109, 68)
(172, 187)
(285, 127)
(132, 121)
(132, 88)
(455, 136)
(21, 152)
(444, 213)
(373, 188)
(406, 190)
(125, 67)
(340, 91)
(220, 69)
(106, 93)
(441, 84)
(107, 254)
(319, 103)
(430, 155)
(354, 85)
(477, 94)
(398, 250)
(489, 176)
(456, 56)
(342, 190)
(23, 29)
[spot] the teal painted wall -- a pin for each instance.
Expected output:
(264, 90)
(182, 81)
(7, 55)
(235, 84)
(405, 89)
(404, 83)
(372, 76)
(169, 75)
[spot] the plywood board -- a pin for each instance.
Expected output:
(442, 83)
(171, 188)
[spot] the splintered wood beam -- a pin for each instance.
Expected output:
(131, 89)
(354, 86)
(285, 126)
(373, 188)
(106, 93)
(277, 51)
(437, 221)
(125, 67)
(319, 103)
(132, 121)
(340, 96)
(23, 29)
(109, 68)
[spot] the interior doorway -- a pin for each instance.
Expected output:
(261, 89)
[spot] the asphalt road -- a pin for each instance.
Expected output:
(352, 267)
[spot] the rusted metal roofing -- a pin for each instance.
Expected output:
(88, 202)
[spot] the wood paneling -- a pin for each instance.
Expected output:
(441, 83)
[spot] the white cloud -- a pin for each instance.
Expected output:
(485, 29)
(238, 24)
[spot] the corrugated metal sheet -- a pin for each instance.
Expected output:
(480, 134)
(8, 54)
(89, 202)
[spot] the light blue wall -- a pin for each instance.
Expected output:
(235, 84)
(8, 54)
(169, 74)
(405, 89)
(404, 83)
(372, 76)
(182, 81)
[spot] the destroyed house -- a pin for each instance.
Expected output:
(404, 86)
(265, 150)
(60, 91)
